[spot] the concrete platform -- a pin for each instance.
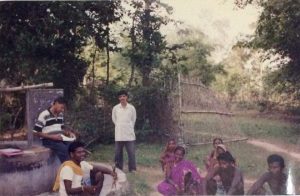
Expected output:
(29, 173)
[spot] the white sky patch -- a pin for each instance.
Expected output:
(220, 20)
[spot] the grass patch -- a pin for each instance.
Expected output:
(250, 159)
(138, 184)
(147, 157)
(263, 128)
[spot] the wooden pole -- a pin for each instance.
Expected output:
(226, 141)
(29, 122)
(207, 112)
(180, 139)
(21, 88)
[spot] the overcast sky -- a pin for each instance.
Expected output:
(220, 20)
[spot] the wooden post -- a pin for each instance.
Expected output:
(180, 138)
(27, 87)
(29, 122)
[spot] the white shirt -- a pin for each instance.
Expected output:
(67, 173)
(124, 120)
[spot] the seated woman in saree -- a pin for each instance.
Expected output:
(183, 177)
(167, 157)
(230, 176)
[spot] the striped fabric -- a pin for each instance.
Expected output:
(48, 123)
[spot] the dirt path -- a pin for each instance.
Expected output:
(275, 148)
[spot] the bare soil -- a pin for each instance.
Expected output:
(289, 150)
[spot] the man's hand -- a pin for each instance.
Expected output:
(89, 189)
(114, 175)
(56, 137)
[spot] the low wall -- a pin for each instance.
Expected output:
(29, 174)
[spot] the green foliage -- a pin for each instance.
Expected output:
(43, 44)
(91, 119)
(198, 63)
(5, 120)
(234, 84)
(153, 117)
(147, 42)
(12, 112)
(277, 32)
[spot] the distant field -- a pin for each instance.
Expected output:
(264, 128)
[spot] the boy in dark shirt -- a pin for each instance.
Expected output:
(275, 178)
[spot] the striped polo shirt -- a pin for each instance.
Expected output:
(48, 123)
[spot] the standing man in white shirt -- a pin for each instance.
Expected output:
(124, 117)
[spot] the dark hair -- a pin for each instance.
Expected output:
(217, 138)
(226, 156)
(122, 92)
(276, 158)
(60, 100)
(181, 149)
(172, 139)
(74, 145)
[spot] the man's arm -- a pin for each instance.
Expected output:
(235, 181)
(133, 117)
(82, 189)
(66, 175)
(38, 127)
(209, 176)
(258, 184)
(56, 137)
(113, 115)
(104, 170)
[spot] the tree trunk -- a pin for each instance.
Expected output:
(107, 56)
(93, 74)
(133, 41)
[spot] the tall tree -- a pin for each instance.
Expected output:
(44, 44)
(278, 33)
(148, 43)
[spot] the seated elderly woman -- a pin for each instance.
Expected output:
(183, 178)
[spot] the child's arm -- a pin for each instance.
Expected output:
(237, 179)
(258, 184)
(209, 176)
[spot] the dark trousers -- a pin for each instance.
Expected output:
(59, 147)
(130, 148)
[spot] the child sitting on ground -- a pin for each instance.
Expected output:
(167, 158)
(275, 178)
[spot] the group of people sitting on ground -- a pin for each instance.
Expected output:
(223, 177)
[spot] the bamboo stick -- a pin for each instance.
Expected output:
(206, 112)
(226, 141)
(21, 88)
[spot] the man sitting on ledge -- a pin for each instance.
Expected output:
(71, 175)
(50, 128)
